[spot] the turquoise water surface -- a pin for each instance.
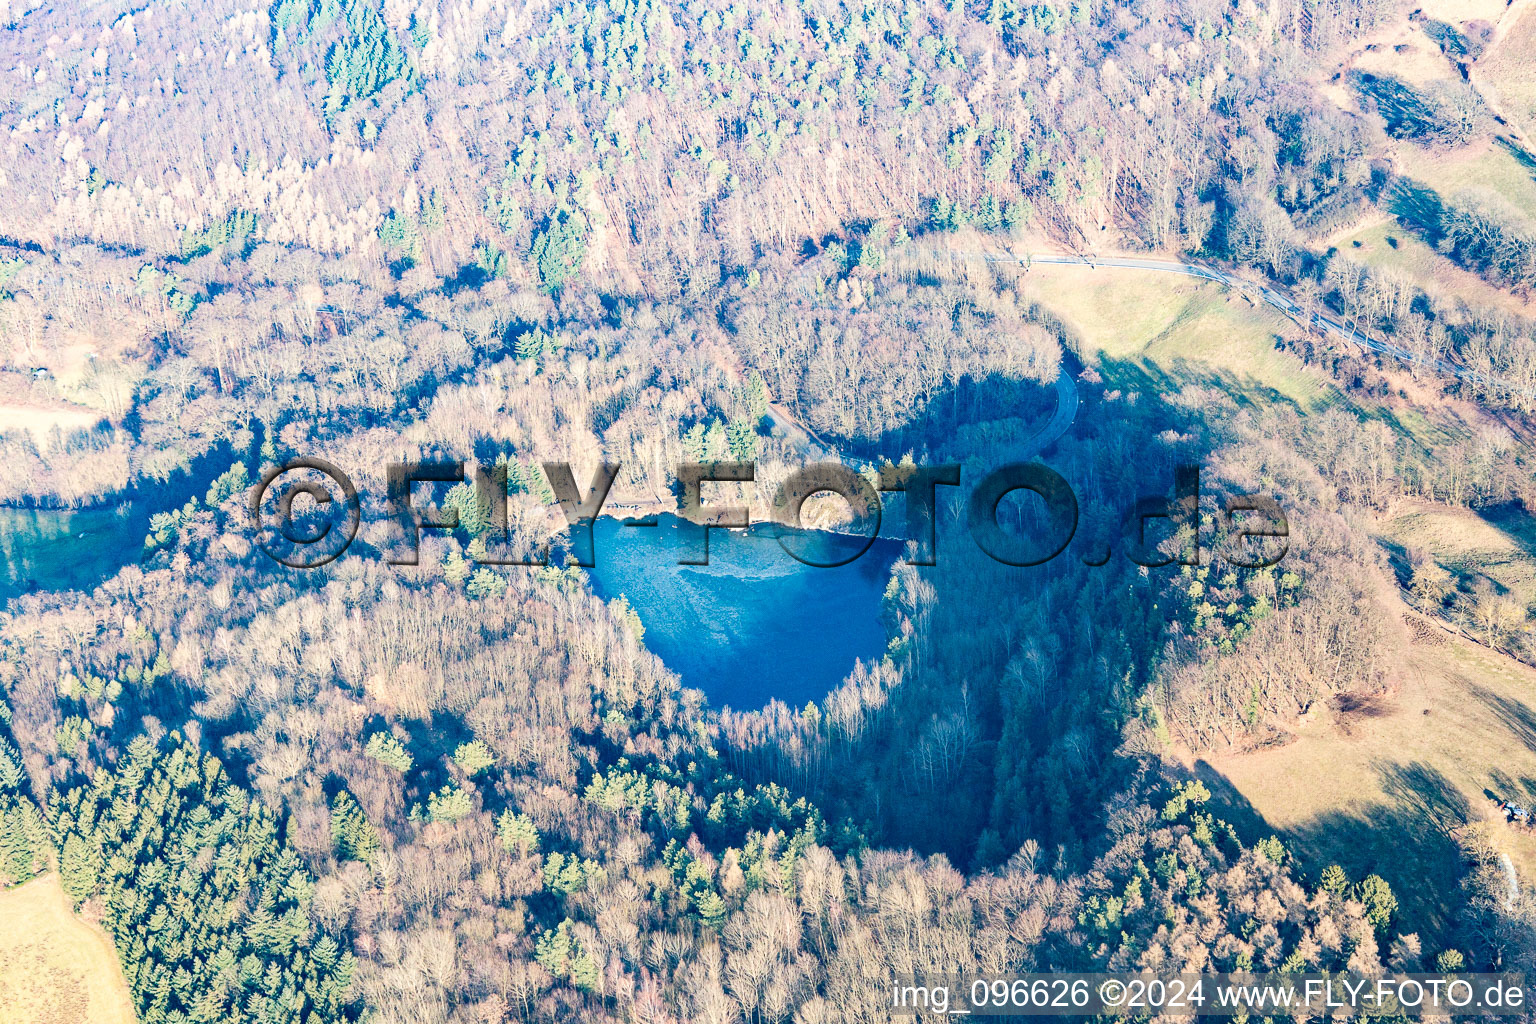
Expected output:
(77, 549)
(64, 549)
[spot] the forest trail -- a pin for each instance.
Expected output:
(778, 415)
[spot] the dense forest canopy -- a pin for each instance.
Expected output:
(652, 232)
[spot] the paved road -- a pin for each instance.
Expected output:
(1067, 403)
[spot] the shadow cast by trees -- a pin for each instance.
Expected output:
(1231, 805)
(1444, 35)
(1446, 113)
(968, 408)
(1425, 792)
(1520, 154)
(1025, 714)
(1405, 111)
(1517, 717)
(1419, 208)
(1407, 840)
(1146, 375)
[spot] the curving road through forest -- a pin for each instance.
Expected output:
(1067, 404)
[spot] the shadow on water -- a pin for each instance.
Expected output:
(994, 705)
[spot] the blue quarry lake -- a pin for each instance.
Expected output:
(755, 624)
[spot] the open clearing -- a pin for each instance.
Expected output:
(1498, 544)
(1409, 49)
(1182, 328)
(1403, 52)
(54, 967)
(1383, 787)
(1460, 12)
(1489, 165)
(1147, 329)
(1390, 246)
(1507, 73)
(39, 421)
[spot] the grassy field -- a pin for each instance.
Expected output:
(1388, 245)
(1489, 165)
(1509, 70)
(54, 967)
(1186, 329)
(1410, 49)
(1406, 53)
(40, 420)
(1380, 788)
(1383, 788)
(1499, 545)
(1459, 12)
